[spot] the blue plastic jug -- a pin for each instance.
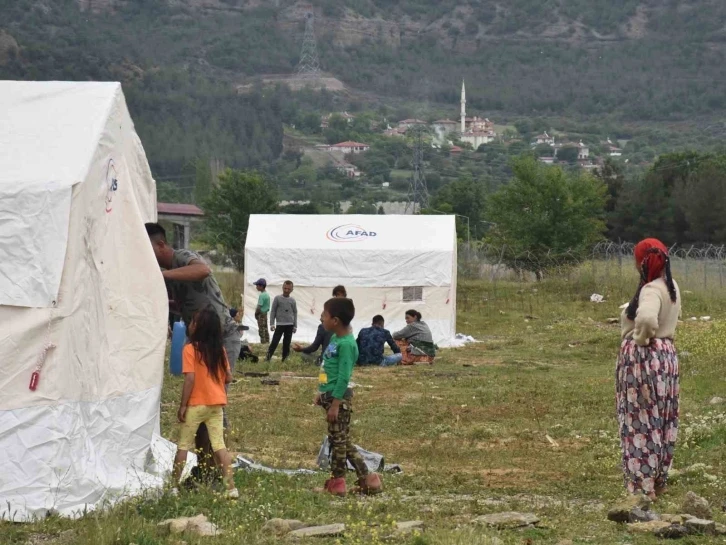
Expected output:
(178, 339)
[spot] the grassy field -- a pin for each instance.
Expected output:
(470, 432)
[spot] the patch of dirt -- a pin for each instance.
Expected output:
(532, 501)
(296, 83)
(637, 25)
(64, 538)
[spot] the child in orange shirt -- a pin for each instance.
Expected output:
(206, 371)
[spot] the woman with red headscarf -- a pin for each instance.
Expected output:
(647, 373)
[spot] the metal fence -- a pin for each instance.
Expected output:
(498, 279)
(605, 259)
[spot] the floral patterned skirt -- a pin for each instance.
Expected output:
(408, 357)
(647, 391)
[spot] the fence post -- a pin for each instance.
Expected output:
(705, 273)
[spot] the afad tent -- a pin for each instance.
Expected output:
(388, 264)
(81, 296)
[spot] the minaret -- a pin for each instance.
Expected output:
(463, 107)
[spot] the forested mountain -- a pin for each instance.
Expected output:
(179, 59)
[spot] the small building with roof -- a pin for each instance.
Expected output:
(181, 217)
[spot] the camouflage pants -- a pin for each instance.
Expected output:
(342, 448)
(262, 326)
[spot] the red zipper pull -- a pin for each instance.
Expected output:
(34, 379)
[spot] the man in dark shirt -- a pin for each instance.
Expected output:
(322, 339)
(193, 287)
(371, 341)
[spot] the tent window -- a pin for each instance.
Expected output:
(412, 294)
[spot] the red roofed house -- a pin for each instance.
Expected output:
(349, 147)
(613, 150)
(408, 123)
(445, 126)
(455, 150)
(181, 217)
(394, 132)
(544, 139)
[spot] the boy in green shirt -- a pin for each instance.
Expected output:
(263, 307)
(335, 397)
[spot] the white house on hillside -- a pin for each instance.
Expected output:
(478, 138)
(408, 123)
(349, 147)
(583, 151)
(612, 149)
(545, 138)
(444, 126)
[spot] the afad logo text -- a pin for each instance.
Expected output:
(349, 233)
(111, 185)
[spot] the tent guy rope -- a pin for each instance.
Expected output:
(40, 362)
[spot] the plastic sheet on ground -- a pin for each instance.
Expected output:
(374, 461)
(460, 340)
(249, 465)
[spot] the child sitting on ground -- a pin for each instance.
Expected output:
(336, 398)
(206, 371)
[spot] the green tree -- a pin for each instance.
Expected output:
(568, 154)
(546, 214)
(168, 192)
(228, 208)
(612, 175)
(362, 207)
(309, 123)
(703, 201)
(466, 198)
(202, 179)
(296, 208)
(653, 204)
(544, 150)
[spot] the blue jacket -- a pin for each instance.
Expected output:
(371, 341)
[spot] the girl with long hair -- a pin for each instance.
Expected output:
(206, 372)
(647, 376)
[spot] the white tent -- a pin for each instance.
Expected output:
(76, 272)
(388, 264)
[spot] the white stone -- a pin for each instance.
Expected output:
(280, 527)
(198, 525)
(319, 531)
(409, 526)
(701, 526)
(508, 519)
(648, 527)
(696, 506)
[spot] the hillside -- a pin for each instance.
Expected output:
(181, 59)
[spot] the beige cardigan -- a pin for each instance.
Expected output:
(657, 315)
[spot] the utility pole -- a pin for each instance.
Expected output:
(418, 194)
(309, 65)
